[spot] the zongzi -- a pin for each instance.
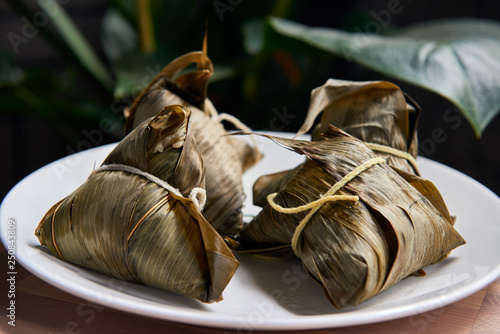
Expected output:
(376, 112)
(225, 157)
(138, 217)
(358, 225)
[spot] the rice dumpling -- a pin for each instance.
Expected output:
(138, 217)
(226, 158)
(376, 112)
(358, 225)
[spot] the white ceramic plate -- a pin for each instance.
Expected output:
(263, 295)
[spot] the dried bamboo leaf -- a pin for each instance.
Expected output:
(429, 190)
(225, 157)
(271, 183)
(372, 111)
(353, 249)
(124, 222)
(376, 112)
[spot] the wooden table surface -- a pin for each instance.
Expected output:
(42, 308)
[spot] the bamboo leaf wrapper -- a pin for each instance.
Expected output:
(376, 112)
(226, 158)
(134, 218)
(353, 248)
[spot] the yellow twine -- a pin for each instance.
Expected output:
(311, 205)
(395, 152)
(328, 197)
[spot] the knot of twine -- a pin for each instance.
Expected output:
(328, 197)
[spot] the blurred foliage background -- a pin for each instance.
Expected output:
(68, 68)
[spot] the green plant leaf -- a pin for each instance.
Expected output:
(253, 32)
(134, 71)
(64, 105)
(10, 74)
(456, 58)
(74, 39)
(127, 9)
(118, 36)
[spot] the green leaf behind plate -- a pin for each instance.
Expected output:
(456, 58)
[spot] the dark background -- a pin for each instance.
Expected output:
(28, 142)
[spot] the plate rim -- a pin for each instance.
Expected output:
(220, 320)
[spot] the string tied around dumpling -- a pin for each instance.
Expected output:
(395, 152)
(329, 196)
(197, 195)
